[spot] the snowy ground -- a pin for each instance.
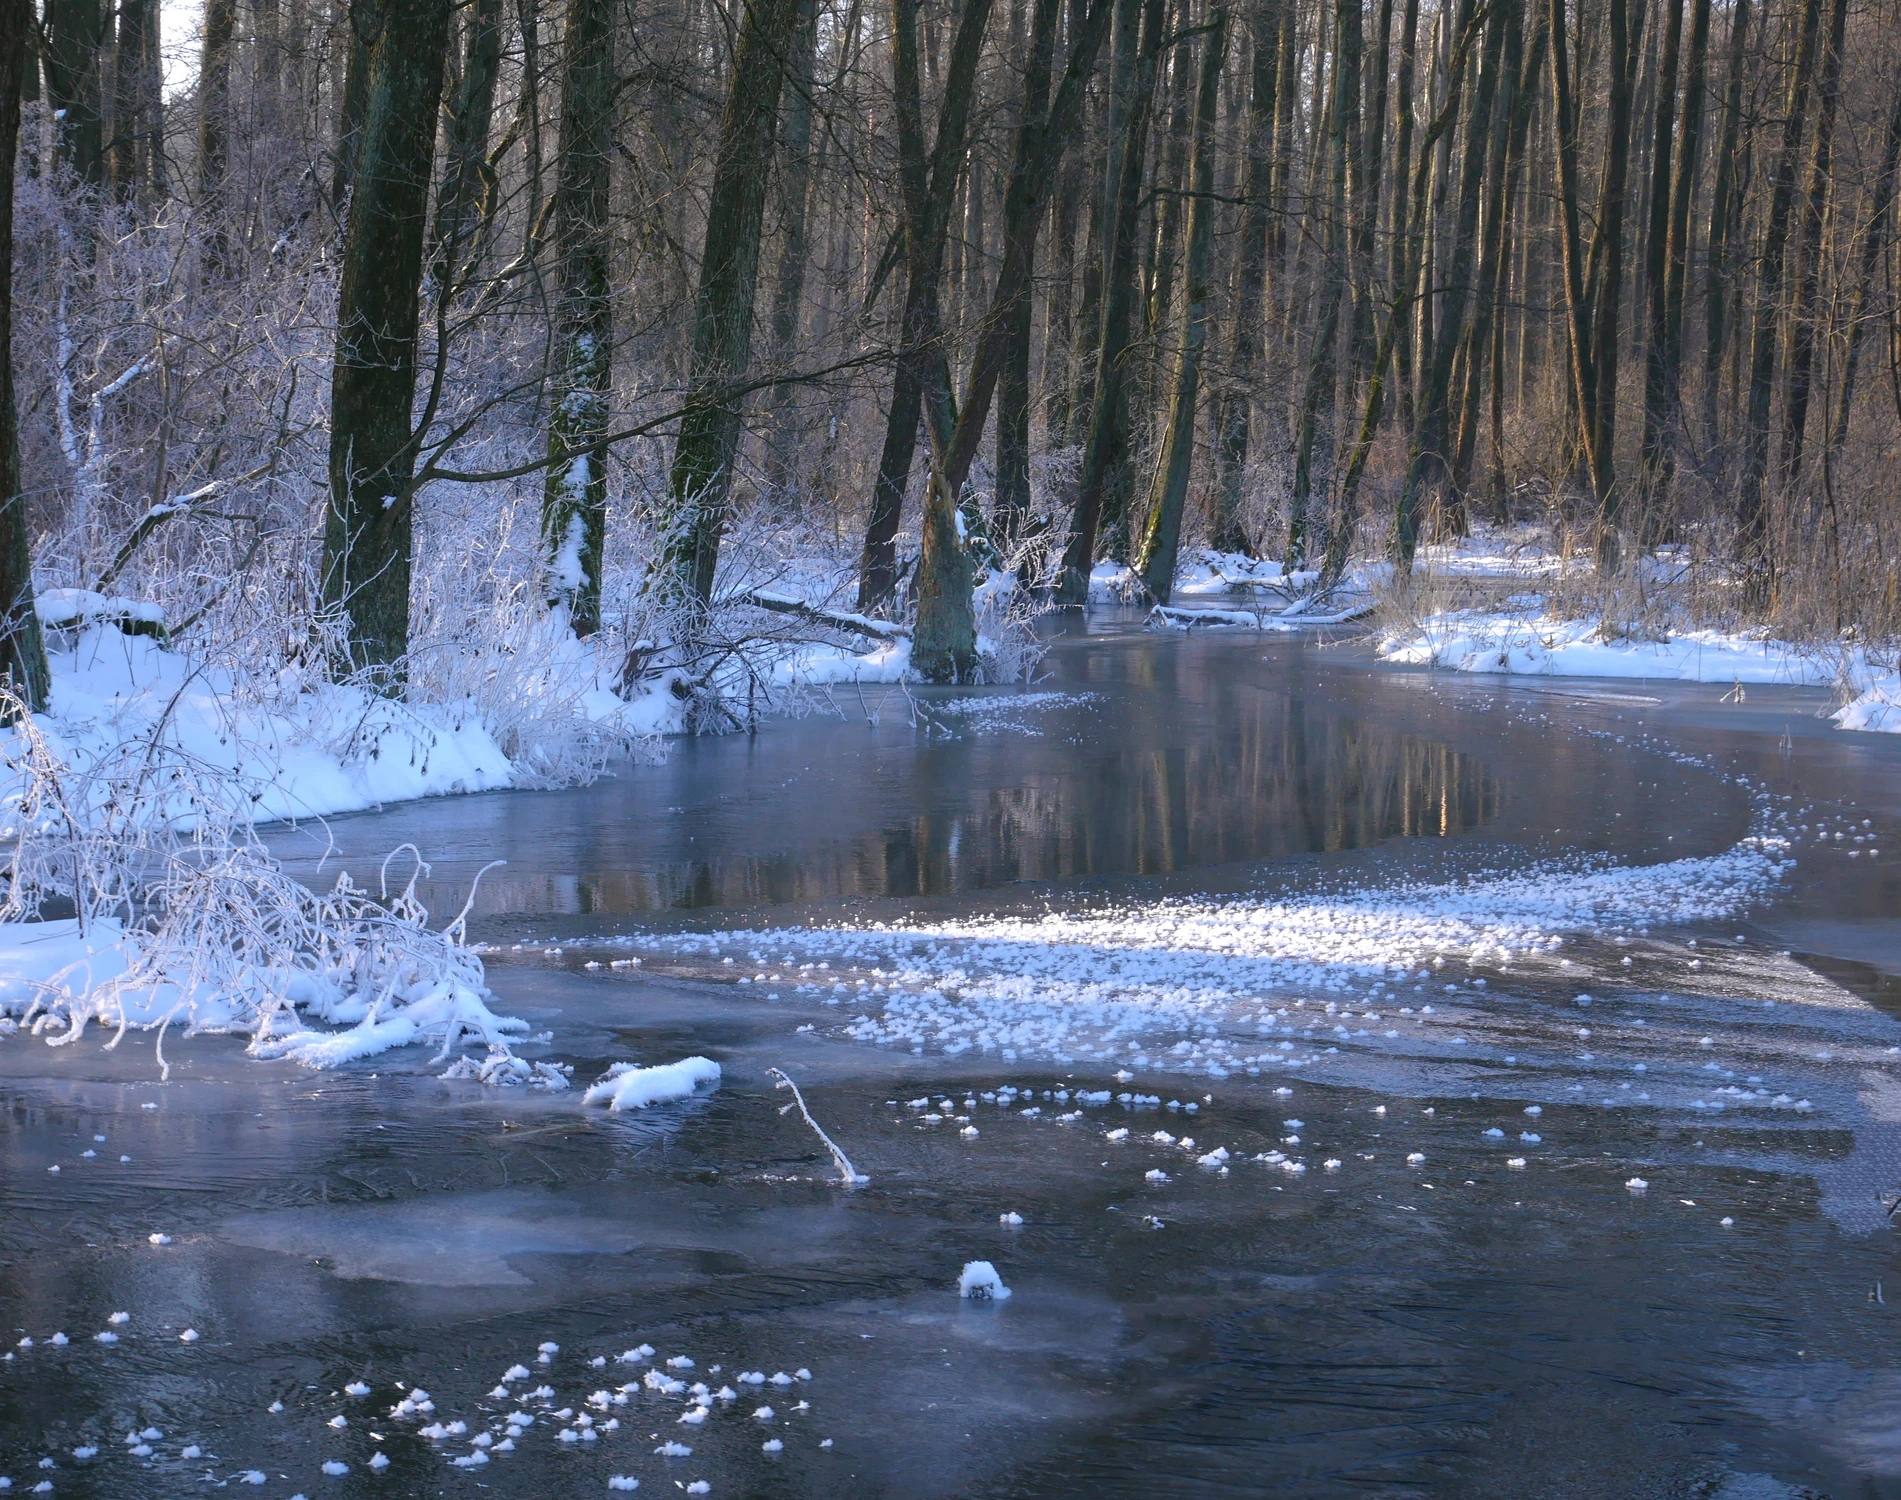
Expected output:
(312, 749)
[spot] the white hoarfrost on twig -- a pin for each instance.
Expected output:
(625, 1086)
(848, 1175)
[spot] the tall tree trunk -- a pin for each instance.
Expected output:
(471, 111)
(1100, 496)
(366, 552)
(1668, 346)
(1656, 271)
(1428, 468)
(22, 651)
(1405, 292)
(945, 644)
(1059, 385)
(214, 127)
(1012, 504)
(1248, 325)
(574, 500)
(363, 26)
(1161, 539)
(1808, 254)
(1511, 116)
(1607, 255)
(1725, 213)
(1593, 289)
(1314, 439)
(1874, 238)
(135, 100)
(1086, 327)
(1403, 187)
(1752, 512)
(74, 31)
(920, 384)
(788, 293)
(1368, 167)
(702, 475)
(1171, 170)
(528, 112)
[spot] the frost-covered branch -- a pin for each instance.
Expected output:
(848, 1175)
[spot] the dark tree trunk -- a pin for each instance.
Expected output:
(1404, 171)
(1405, 292)
(1509, 117)
(74, 30)
(1248, 325)
(1059, 386)
(1668, 358)
(1808, 254)
(1607, 256)
(1752, 512)
(22, 651)
(136, 155)
(364, 25)
(1012, 505)
(214, 127)
(471, 111)
(1428, 470)
(929, 192)
(1368, 167)
(788, 293)
(366, 553)
(1725, 212)
(944, 648)
(1873, 240)
(1105, 453)
(1656, 271)
(574, 501)
(1161, 539)
(1314, 437)
(702, 476)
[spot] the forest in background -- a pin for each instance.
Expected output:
(408, 327)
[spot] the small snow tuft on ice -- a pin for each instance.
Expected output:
(625, 1086)
(979, 1282)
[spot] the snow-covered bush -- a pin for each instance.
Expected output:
(138, 894)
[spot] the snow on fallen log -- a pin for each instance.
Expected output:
(625, 1086)
(1297, 616)
(836, 619)
(72, 608)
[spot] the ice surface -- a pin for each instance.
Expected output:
(425, 1242)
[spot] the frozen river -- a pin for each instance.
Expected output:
(1512, 1078)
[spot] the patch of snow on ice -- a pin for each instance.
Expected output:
(979, 1282)
(625, 1086)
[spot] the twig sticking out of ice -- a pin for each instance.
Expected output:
(628, 1087)
(980, 1282)
(848, 1175)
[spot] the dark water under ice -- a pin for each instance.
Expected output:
(1451, 1328)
